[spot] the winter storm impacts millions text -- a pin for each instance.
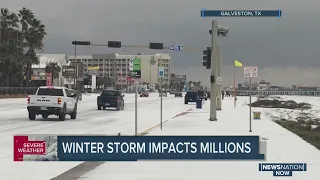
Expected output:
(157, 147)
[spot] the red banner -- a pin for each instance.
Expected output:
(22, 146)
(49, 79)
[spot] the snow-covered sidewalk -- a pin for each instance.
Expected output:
(282, 147)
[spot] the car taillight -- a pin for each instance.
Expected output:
(28, 99)
(59, 100)
(118, 99)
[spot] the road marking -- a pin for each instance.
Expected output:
(80, 170)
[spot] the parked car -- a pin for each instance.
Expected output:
(144, 94)
(178, 94)
(110, 98)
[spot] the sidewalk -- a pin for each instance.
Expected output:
(282, 147)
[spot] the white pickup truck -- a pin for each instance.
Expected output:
(49, 100)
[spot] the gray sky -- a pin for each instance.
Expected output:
(286, 49)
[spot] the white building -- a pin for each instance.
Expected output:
(117, 66)
(39, 77)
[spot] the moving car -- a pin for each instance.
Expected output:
(190, 97)
(78, 94)
(49, 100)
(110, 99)
(144, 94)
(202, 95)
(178, 94)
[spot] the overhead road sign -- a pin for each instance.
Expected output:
(175, 48)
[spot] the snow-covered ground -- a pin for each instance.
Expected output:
(312, 114)
(282, 147)
(14, 120)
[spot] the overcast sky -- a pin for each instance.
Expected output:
(286, 49)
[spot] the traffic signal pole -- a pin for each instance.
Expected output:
(75, 74)
(219, 94)
(213, 90)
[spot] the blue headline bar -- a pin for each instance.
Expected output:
(133, 148)
(241, 13)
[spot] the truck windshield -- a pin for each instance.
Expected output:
(110, 93)
(50, 92)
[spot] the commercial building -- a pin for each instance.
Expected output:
(38, 76)
(117, 66)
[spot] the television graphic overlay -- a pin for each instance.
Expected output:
(282, 169)
(35, 148)
(134, 148)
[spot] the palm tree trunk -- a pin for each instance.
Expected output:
(28, 69)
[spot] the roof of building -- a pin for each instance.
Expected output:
(44, 59)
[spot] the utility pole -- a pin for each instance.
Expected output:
(213, 90)
(219, 100)
(75, 73)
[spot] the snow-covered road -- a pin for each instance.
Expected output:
(14, 120)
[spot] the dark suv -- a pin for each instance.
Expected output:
(190, 97)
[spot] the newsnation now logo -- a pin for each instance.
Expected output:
(283, 169)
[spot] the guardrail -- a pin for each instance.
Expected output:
(17, 90)
(288, 93)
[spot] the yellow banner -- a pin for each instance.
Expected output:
(93, 68)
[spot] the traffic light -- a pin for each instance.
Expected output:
(158, 46)
(82, 43)
(207, 58)
(114, 44)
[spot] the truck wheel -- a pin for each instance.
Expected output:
(44, 116)
(62, 115)
(32, 115)
(99, 107)
(73, 115)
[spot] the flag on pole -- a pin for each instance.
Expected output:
(237, 63)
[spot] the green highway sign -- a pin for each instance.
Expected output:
(136, 68)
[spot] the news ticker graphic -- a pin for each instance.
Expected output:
(282, 169)
(241, 13)
(133, 148)
(35, 148)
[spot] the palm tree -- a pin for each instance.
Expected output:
(33, 33)
(53, 68)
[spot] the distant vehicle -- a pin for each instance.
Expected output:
(57, 101)
(202, 95)
(110, 98)
(172, 92)
(178, 94)
(144, 94)
(190, 97)
(78, 93)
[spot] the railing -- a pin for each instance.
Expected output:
(17, 90)
(288, 93)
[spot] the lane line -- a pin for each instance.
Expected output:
(78, 171)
